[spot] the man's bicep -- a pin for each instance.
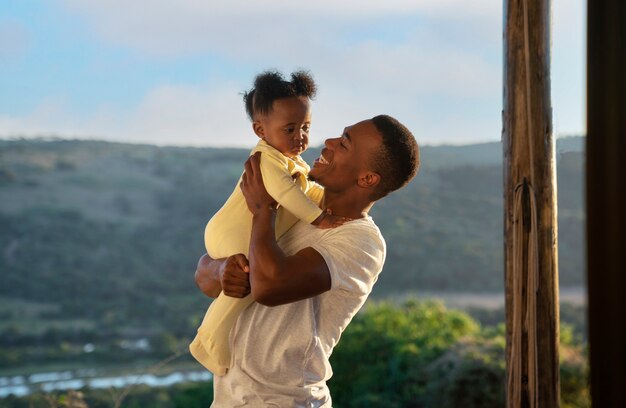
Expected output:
(307, 275)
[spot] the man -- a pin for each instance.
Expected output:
(310, 284)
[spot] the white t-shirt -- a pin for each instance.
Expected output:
(280, 354)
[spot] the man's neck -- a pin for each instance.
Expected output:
(346, 205)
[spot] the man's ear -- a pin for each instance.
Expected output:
(369, 180)
(257, 126)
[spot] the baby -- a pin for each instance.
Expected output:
(281, 117)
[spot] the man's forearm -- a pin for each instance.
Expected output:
(276, 279)
(266, 257)
(207, 276)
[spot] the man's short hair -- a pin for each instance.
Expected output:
(397, 161)
(270, 86)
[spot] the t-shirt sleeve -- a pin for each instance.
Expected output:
(354, 254)
(282, 188)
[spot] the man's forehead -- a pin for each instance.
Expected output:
(362, 130)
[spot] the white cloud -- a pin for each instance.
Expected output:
(347, 8)
(440, 72)
(48, 117)
(358, 77)
(240, 27)
(355, 82)
(417, 69)
(178, 115)
(191, 116)
(214, 115)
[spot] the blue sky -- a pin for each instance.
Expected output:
(171, 72)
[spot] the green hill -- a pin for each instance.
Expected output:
(105, 236)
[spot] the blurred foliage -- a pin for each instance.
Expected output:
(420, 354)
(385, 350)
(417, 354)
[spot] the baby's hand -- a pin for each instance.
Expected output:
(329, 220)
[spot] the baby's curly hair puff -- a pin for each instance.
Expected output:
(271, 85)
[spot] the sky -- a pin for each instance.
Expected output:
(172, 72)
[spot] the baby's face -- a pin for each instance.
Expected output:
(286, 127)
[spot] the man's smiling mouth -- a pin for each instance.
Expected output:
(321, 160)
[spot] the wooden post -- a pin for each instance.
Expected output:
(606, 200)
(530, 219)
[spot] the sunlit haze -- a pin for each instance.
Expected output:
(172, 73)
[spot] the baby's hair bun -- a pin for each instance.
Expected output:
(271, 85)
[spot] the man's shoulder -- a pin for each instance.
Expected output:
(361, 228)
(357, 235)
(354, 254)
(354, 228)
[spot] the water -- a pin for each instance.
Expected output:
(22, 385)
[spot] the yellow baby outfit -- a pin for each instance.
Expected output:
(228, 233)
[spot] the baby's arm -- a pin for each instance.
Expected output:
(281, 186)
(285, 191)
(327, 219)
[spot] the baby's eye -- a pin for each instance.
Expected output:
(289, 130)
(306, 128)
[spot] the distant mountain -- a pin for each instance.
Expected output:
(570, 144)
(113, 231)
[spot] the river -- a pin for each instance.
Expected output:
(21, 385)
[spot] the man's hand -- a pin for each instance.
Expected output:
(229, 275)
(257, 197)
(235, 276)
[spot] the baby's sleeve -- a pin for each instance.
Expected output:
(285, 191)
(315, 192)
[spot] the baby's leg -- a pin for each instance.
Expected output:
(210, 347)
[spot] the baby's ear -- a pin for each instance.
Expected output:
(258, 129)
